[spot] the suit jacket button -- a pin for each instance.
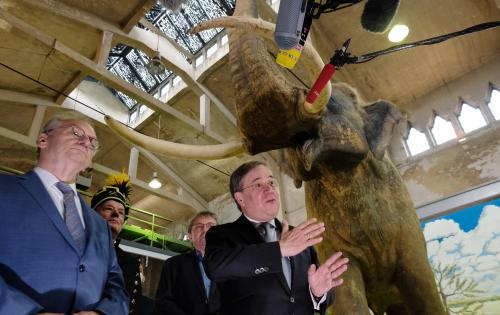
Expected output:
(257, 271)
(292, 300)
(82, 268)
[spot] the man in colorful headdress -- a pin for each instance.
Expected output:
(112, 203)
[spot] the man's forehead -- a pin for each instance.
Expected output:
(204, 218)
(257, 173)
(114, 204)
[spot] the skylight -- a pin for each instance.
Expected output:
(442, 130)
(129, 63)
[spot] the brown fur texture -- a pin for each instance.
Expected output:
(368, 212)
(349, 183)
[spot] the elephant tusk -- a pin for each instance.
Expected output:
(310, 57)
(177, 150)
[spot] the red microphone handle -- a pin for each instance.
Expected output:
(324, 77)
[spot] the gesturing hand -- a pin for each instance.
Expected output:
(304, 235)
(327, 275)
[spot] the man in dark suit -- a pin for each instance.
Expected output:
(112, 203)
(184, 288)
(56, 254)
(261, 266)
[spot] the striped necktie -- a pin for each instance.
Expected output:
(71, 217)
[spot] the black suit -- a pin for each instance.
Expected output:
(249, 273)
(181, 290)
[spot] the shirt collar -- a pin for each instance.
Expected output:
(48, 179)
(255, 222)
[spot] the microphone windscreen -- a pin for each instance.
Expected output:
(289, 23)
(378, 14)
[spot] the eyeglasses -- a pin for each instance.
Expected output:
(199, 226)
(80, 135)
(261, 185)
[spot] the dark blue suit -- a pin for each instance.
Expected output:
(40, 267)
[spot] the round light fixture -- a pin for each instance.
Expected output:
(155, 183)
(398, 33)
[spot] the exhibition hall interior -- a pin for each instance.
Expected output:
(138, 62)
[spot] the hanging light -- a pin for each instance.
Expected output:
(398, 33)
(155, 182)
(155, 66)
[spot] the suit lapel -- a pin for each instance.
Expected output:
(89, 223)
(36, 189)
(247, 231)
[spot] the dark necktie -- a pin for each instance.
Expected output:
(71, 216)
(268, 233)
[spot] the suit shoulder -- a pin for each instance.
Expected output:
(179, 259)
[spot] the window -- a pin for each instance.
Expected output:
(417, 142)
(471, 118)
(133, 116)
(224, 40)
(198, 61)
(211, 50)
(494, 104)
(176, 80)
(442, 130)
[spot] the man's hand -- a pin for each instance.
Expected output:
(301, 237)
(326, 276)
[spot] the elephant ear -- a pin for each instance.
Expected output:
(381, 121)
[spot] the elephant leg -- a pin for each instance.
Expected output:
(350, 297)
(399, 309)
(415, 278)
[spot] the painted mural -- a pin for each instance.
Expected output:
(464, 252)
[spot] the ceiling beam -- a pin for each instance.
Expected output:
(142, 184)
(176, 178)
(42, 102)
(100, 58)
(137, 14)
(104, 75)
(141, 39)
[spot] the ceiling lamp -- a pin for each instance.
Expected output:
(171, 4)
(398, 33)
(155, 66)
(155, 183)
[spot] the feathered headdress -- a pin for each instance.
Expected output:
(117, 188)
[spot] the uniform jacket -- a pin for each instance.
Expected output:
(40, 267)
(131, 274)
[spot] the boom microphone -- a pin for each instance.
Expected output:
(378, 14)
(289, 23)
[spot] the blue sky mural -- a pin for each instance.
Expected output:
(469, 239)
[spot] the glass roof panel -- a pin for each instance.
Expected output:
(129, 63)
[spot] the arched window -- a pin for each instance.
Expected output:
(494, 103)
(442, 130)
(471, 118)
(417, 142)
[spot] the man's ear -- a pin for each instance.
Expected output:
(41, 141)
(239, 198)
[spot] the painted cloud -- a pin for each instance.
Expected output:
(476, 252)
